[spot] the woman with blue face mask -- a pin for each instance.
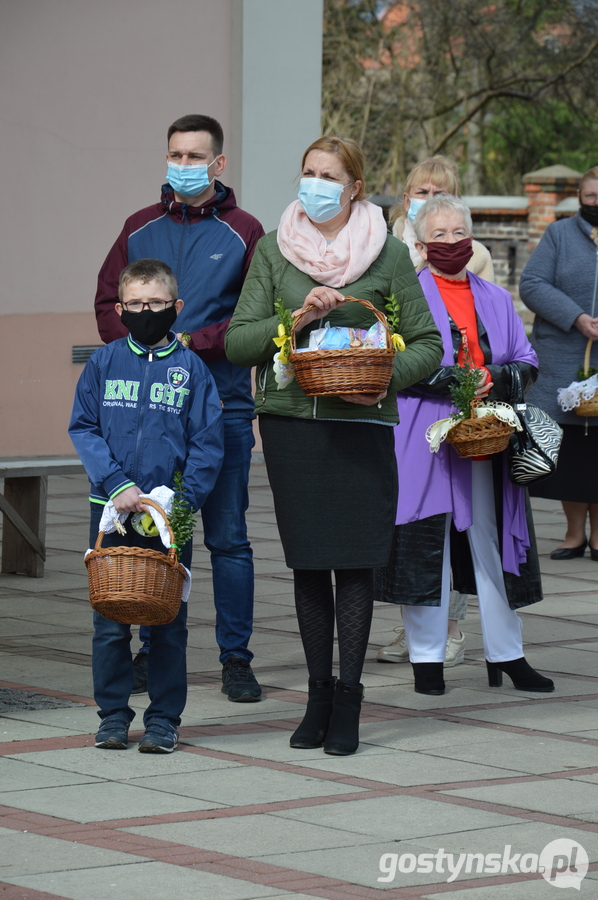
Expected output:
(330, 459)
(433, 177)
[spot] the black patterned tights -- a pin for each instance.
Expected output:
(314, 602)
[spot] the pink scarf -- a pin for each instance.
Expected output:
(344, 260)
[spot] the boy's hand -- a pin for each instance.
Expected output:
(128, 500)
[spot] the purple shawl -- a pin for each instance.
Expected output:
(433, 483)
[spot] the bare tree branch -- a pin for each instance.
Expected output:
(407, 83)
(560, 76)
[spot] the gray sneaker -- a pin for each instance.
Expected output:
(397, 651)
(455, 651)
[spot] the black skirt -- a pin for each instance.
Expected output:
(335, 490)
(576, 476)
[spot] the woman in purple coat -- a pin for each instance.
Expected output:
(459, 512)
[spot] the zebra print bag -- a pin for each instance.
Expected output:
(533, 452)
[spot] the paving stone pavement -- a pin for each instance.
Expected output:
(447, 796)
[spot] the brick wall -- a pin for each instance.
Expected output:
(546, 189)
(506, 238)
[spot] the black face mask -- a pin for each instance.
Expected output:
(149, 327)
(589, 213)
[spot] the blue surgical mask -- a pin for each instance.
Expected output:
(189, 181)
(321, 199)
(414, 207)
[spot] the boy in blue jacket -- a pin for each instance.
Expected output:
(145, 407)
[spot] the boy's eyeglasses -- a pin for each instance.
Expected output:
(137, 306)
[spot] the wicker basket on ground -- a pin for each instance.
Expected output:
(480, 437)
(352, 371)
(587, 408)
(133, 585)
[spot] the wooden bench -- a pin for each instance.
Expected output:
(24, 509)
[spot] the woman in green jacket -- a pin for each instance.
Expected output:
(330, 460)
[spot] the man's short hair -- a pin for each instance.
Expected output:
(146, 270)
(200, 123)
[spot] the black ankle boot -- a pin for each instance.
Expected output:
(312, 731)
(428, 678)
(522, 675)
(343, 731)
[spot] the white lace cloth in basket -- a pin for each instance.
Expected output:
(437, 432)
(571, 396)
(162, 495)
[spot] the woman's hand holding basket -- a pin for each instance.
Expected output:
(323, 300)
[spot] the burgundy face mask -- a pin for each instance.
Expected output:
(450, 258)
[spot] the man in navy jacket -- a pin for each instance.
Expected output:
(198, 229)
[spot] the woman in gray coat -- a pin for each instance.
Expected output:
(558, 284)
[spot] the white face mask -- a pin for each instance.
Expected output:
(321, 199)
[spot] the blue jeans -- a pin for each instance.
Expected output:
(225, 536)
(112, 664)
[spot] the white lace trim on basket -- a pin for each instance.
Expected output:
(437, 432)
(571, 396)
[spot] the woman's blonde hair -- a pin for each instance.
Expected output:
(438, 170)
(350, 155)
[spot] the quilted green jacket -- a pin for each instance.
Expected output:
(248, 340)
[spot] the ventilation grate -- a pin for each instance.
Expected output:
(80, 355)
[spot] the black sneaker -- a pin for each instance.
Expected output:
(140, 673)
(238, 681)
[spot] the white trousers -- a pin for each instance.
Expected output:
(426, 627)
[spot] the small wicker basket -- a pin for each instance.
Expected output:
(352, 371)
(480, 437)
(135, 586)
(587, 408)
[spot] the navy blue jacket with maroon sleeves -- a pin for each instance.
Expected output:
(209, 249)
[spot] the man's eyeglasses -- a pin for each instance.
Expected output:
(137, 306)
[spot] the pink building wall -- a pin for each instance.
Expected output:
(87, 92)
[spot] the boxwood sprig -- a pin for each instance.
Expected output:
(182, 516)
